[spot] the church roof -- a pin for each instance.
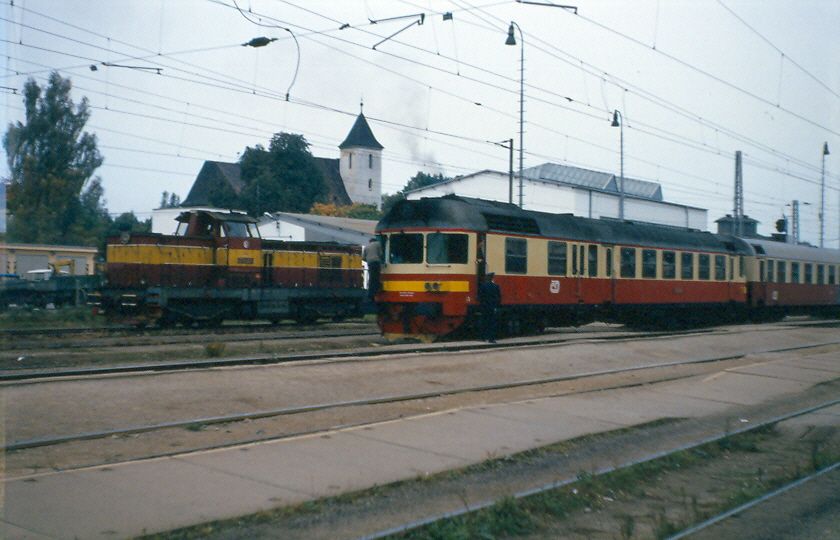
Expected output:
(360, 136)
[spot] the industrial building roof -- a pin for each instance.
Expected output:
(589, 179)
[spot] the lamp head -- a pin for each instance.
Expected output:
(259, 42)
(825, 149)
(447, 16)
(511, 39)
(616, 122)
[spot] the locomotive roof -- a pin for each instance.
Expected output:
(455, 212)
(781, 250)
(184, 217)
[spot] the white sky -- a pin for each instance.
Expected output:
(214, 97)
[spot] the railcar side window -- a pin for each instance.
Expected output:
(609, 253)
(781, 275)
(703, 267)
(648, 263)
(592, 253)
(832, 275)
(669, 265)
(446, 248)
(557, 258)
(687, 261)
(628, 262)
(741, 264)
(405, 248)
(574, 260)
(771, 265)
(235, 229)
(821, 274)
(720, 267)
(809, 273)
(761, 274)
(794, 272)
(516, 256)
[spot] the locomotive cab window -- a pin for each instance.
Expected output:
(628, 262)
(236, 229)
(687, 263)
(516, 255)
(703, 267)
(649, 263)
(557, 258)
(446, 248)
(405, 248)
(669, 265)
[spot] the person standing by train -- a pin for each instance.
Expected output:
(489, 299)
(373, 257)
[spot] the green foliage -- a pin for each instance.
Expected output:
(417, 181)
(169, 200)
(53, 197)
(356, 211)
(283, 178)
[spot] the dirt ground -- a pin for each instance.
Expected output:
(662, 498)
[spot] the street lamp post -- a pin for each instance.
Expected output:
(825, 152)
(618, 121)
(511, 40)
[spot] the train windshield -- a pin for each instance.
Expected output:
(405, 248)
(237, 229)
(446, 248)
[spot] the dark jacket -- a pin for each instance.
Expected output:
(489, 294)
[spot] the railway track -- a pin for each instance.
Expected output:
(10, 339)
(556, 337)
(391, 399)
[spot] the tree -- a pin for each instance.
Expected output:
(417, 181)
(53, 197)
(355, 210)
(283, 178)
(169, 200)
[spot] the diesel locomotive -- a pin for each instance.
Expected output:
(558, 269)
(217, 267)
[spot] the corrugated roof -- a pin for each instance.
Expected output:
(782, 250)
(586, 178)
(360, 136)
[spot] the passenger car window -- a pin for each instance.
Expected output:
(593, 260)
(628, 262)
(794, 272)
(405, 248)
(669, 265)
(720, 267)
(771, 266)
(821, 274)
(687, 261)
(809, 273)
(516, 255)
(444, 248)
(703, 267)
(557, 258)
(781, 275)
(648, 263)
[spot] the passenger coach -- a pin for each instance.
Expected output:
(552, 269)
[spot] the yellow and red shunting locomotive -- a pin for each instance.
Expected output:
(560, 270)
(217, 267)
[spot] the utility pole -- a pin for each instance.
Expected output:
(825, 152)
(738, 212)
(795, 222)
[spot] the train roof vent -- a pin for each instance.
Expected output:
(758, 249)
(517, 224)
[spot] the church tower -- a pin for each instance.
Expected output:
(361, 164)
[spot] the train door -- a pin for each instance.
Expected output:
(609, 272)
(268, 268)
(578, 269)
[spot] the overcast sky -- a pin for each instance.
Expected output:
(695, 80)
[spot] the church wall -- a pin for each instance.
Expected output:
(362, 175)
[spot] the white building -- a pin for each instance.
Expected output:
(559, 189)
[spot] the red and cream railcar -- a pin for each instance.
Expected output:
(552, 269)
(217, 267)
(787, 278)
